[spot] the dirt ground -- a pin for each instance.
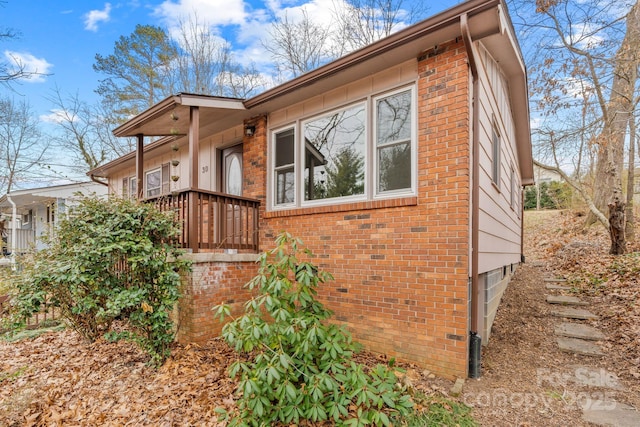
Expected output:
(526, 380)
(57, 379)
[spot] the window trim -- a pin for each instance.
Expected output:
(300, 158)
(413, 144)
(371, 192)
(131, 187)
(164, 187)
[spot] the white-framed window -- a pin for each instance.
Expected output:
(129, 187)
(284, 172)
(157, 181)
(394, 131)
(347, 154)
(495, 153)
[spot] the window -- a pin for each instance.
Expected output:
(347, 154)
(284, 171)
(129, 188)
(334, 154)
(393, 141)
(495, 151)
(157, 181)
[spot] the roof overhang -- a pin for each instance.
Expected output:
(487, 22)
(171, 116)
(26, 199)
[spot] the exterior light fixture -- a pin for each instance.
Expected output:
(249, 130)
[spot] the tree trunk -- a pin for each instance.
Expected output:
(629, 231)
(610, 142)
(616, 226)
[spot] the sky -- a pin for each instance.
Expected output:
(61, 38)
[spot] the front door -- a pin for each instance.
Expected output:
(231, 169)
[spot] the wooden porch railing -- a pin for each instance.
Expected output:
(213, 221)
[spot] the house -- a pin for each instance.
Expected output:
(400, 165)
(26, 215)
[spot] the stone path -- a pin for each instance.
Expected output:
(574, 336)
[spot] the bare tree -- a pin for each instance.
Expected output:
(14, 69)
(205, 64)
(302, 44)
(584, 66)
(22, 148)
(202, 58)
(362, 22)
(79, 135)
(298, 46)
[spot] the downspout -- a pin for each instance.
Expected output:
(14, 231)
(475, 344)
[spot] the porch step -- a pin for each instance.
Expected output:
(578, 346)
(578, 330)
(573, 313)
(565, 300)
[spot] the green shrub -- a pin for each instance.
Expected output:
(109, 259)
(300, 365)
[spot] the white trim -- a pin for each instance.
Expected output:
(370, 153)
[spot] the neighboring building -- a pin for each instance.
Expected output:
(400, 165)
(36, 211)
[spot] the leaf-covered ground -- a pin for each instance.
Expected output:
(527, 380)
(58, 379)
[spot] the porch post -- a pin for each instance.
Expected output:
(140, 166)
(194, 154)
(194, 146)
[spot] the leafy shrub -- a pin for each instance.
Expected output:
(553, 195)
(300, 365)
(109, 259)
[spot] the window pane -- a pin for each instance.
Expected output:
(153, 183)
(285, 171)
(284, 148)
(394, 163)
(285, 186)
(334, 154)
(133, 187)
(394, 118)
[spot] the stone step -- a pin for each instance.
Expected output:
(555, 280)
(553, 287)
(578, 346)
(565, 300)
(573, 313)
(578, 330)
(611, 413)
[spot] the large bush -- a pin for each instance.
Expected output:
(300, 365)
(110, 259)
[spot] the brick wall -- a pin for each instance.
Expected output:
(215, 278)
(401, 265)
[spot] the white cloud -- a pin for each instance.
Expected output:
(215, 12)
(55, 116)
(37, 68)
(93, 17)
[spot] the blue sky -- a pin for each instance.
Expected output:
(62, 37)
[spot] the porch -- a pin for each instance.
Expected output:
(212, 221)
